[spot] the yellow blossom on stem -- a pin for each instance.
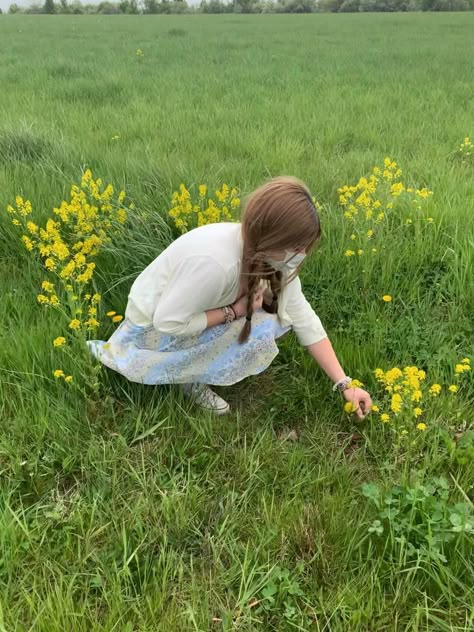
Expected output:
(59, 341)
(349, 407)
(75, 324)
(58, 373)
(396, 404)
(111, 313)
(68, 379)
(386, 298)
(421, 426)
(117, 319)
(435, 389)
(453, 388)
(47, 286)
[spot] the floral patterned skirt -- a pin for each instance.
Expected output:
(215, 357)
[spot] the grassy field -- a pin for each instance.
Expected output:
(122, 508)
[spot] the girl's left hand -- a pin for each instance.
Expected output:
(361, 400)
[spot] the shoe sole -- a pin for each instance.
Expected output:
(214, 411)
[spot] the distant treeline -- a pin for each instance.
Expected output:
(242, 6)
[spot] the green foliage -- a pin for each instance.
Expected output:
(460, 449)
(174, 7)
(417, 522)
(49, 7)
(282, 598)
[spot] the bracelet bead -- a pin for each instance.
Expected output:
(343, 384)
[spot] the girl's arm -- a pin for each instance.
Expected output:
(325, 356)
(217, 316)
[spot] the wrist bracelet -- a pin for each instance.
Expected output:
(229, 314)
(342, 384)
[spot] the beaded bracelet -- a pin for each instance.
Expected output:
(343, 384)
(229, 314)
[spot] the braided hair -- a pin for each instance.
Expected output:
(280, 215)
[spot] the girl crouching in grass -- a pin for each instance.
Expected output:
(209, 309)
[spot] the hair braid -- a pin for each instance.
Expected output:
(253, 282)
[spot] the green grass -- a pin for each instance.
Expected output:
(128, 510)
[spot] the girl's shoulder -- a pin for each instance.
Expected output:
(221, 242)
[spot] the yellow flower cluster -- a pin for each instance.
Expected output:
(463, 366)
(404, 390)
(67, 245)
(369, 203)
(466, 150)
(58, 373)
(189, 210)
(139, 54)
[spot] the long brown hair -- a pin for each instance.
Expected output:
(280, 215)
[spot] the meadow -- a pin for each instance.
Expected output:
(121, 506)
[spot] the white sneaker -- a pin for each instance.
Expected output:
(205, 398)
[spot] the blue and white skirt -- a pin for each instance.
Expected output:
(215, 357)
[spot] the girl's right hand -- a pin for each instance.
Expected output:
(240, 306)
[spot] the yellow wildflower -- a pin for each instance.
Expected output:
(417, 412)
(349, 253)
(75, 324)
(384, 418)
(92, 323)
(453, 388)
(28, 243)
(111, 313)
(117, 319)
(375, 408)
(58, 373)
(396, 404)
(461, 368)
(59, 341)
(435, 389)
(47, 286)
(421, 426)
(387, 298)
(68, 379)
(42, 299)
(349, 407)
